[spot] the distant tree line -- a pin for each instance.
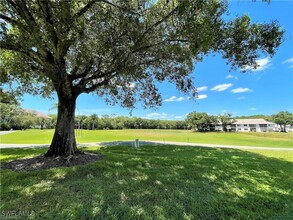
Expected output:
(109, 122)
(13, 117)
(199, 121)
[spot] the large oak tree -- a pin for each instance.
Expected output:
(119, 49)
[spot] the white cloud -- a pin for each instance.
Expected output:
(252, 109)
(241, 97)
(174, 98)
(180, 99)
(231, 77)
(157, 115)
(290, 61)
(262, 64)
(202, 88)
(97, 111)
(171, 99)
(203, 96)
(239, 90)
(163, 116)
(222, 87)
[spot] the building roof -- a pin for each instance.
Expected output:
(38, 114)
(252, 121)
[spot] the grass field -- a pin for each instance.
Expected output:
(153, 182)
(85, 136)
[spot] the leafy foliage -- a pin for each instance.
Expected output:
(200, 121)
(283, 118)
(119, 49)
(7, 98)
(14, 117)
(226, 119)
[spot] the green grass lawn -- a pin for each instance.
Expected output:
(154, 182)
(84, 136)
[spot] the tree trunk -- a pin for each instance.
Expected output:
(63, 142)
(283, 129)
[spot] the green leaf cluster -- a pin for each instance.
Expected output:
(121, 49)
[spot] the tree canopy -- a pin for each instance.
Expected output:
(200, 121)
(226, 119)
(283, 119)
(120, 49)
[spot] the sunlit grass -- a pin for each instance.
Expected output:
(85, 136)
(154, 182)
(283, 155)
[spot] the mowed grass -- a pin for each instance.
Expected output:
(283, 155)
(85, 136)
(153, 182)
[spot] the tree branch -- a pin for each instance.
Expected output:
(49, 23)
(22, 10)
(106, 75)
(110, 3)
(95, 86)
(86, 70)
(30, 26)
(103, 83)
(84, 9)
(156, 24)
(8, 19)
(17, 48)
(95, 76)
(146, 47)
(12, 3)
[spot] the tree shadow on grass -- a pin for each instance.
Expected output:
(156, 182)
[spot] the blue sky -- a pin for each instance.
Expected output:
(267, 90)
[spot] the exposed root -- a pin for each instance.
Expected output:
(67, 159)
(56, 158)
(56, 155)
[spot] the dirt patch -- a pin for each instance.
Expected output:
(41, 162)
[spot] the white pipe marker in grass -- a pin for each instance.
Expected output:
(136, 143)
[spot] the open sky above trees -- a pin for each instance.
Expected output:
(266, 90)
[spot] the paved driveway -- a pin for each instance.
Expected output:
(131, 143)
(6, 132)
